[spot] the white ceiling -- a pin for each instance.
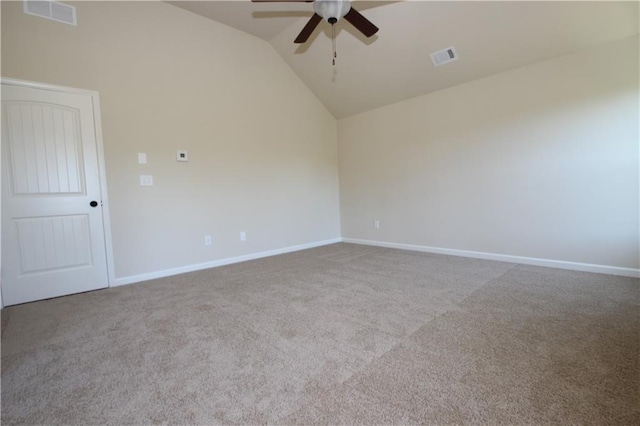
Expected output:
(393, 65)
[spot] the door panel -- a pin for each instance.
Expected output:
(54, 243)
(44, 148)
(52, 239)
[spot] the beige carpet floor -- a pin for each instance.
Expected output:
(338, 334)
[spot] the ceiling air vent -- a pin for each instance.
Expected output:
(52, 10)
(444, 56)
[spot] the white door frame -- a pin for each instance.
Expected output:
(95, 100)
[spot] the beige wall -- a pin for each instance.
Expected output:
(539, 162)
(263, 150)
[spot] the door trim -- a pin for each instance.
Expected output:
(95, 100)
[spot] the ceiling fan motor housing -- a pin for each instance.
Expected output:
(332, 10)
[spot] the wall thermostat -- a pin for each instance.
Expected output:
(182, 155)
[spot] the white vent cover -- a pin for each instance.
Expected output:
(444, 56)
(53, 10)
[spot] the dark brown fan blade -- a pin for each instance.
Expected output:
(360, 22)
(308, 29)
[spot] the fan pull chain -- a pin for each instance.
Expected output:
(333, 43)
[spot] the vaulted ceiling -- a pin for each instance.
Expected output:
(394, 65)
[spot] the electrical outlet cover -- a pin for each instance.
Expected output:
(182, 155)
(146, 180)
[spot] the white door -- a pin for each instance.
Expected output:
(53, 240)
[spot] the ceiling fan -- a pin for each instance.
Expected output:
(332, 11)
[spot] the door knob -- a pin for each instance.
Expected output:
(93, 204)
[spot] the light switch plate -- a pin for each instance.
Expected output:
(146, 180)
(142, 158)
(182, 155)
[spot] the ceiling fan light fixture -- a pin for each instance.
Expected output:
(332, 10)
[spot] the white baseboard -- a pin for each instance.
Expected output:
(574, 266)
(221, 262)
